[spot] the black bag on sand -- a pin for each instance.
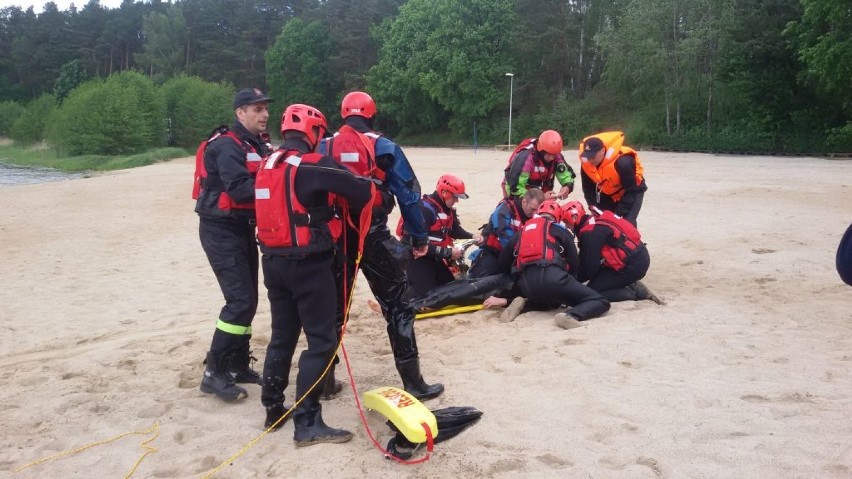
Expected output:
(451, 422)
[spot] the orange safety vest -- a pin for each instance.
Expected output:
(605, 175)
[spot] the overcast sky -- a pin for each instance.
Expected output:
(61, 4)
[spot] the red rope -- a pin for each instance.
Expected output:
(363, 229)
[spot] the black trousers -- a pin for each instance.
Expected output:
(384, 263)
(231, 249)
(427, 273)
(485, 264)
(551, 287)
(301, 297)
(612, 284)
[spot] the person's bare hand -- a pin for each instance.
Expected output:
(457, 254)
(477, 239)
(419, 251)
(549, 194)
(494, 302)
(564, 192)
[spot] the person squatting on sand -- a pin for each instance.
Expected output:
(535, 163)
(294, 207)
(503, 224)
(613, 257)
(439, 213)
(544, 260)
(612, 175)
(225, 207)
(368, 153)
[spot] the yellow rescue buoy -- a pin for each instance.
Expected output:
(403, 410)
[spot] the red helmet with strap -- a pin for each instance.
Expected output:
(572, 213)
(306, 119)
(452, 185)
(551, 208)
(550, 142)
(358, 103)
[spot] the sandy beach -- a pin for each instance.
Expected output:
(108, 307)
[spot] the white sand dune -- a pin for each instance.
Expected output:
(109, 305)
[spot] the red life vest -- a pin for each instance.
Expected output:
(253, 161)
(439, 230)
(357, 152)
(537, 246)
(542, 173)
(282, 220)
(491, 239)
(624, 242)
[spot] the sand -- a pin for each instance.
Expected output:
(109, 306)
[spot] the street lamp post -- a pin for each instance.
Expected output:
(511, 88)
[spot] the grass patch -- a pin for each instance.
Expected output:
(45, 157)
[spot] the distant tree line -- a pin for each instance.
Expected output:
(717, 75)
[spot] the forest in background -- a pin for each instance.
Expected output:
(707, 75)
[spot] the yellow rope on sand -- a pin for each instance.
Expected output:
(155, 429)
(260, 436)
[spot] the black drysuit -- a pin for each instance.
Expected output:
(301, 284)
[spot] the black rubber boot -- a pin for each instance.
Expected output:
(331, 387)
(310, 428)
(412, 380)
(273, 414)
(643, 293)
(240, 368)
(217, 380)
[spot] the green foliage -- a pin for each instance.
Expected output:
(71, 75)
(163, 51)
(823, 38)
(297, 67)
(9, 112)
(121, 115)
(443, 56)
(29, 128)
(194, 107)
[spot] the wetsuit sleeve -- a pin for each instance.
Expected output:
(507, 256)
(569, 249)
(518, 174)
(501, 224)
(564, 173)
(625, 165)
(589, 188)
(230, 162)
(591, 245)
(458, 232)
(403, 184)
(322, 148)
(315, 181)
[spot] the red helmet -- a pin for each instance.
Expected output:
(452, 185)
(306, 119)
(549, 142)
(358, 103)
(551, 208)
(572, 213)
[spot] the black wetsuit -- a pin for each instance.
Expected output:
(430, 271)
(551, 286)
(228, 237)
(302, 288)
(610, 283)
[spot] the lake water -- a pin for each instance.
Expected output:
(11, 175)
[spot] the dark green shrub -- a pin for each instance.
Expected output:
(194, 107)
(9, 112)
(29, 127)
(123, 114)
